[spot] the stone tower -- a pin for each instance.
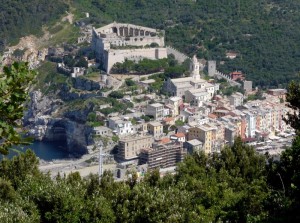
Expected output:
(195, 68)
(211, 68)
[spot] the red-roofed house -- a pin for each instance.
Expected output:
(169, 121)
(179, 137)
(237, 75)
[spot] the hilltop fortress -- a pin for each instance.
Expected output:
(119, 41)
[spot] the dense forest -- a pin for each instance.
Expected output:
(264, 33)
(237, 185)
(21, 18)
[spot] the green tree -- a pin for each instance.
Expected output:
(14, 84)
(82, 62)
(129, 82)
(293, 99)
(19, 167)
(230, 186)
(179, 123)
(116, 94)
(284, 175)
(115, 138)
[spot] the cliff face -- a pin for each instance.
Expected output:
(74, 134)
(70, 128)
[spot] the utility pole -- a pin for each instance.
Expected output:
(101, 155)
(100, 162)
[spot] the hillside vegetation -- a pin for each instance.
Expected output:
(21, 18)
(264, 33)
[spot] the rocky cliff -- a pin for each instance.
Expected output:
(44, 124)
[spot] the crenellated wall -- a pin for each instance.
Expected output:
(180, 57)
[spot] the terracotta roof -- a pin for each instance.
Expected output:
(179, 135)
(211, 115)
(164, 140)
(236, 72)
(168, 119)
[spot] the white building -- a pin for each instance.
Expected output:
(236, 99)
(200, 120)
(196, 97)
(121, 127)
(178, 87)
(102, 131)
(175, 102)
(156, 110)
(179, 137)
(251, 124)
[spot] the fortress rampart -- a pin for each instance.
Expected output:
(110, 42)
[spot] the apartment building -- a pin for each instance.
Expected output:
(163, 155)
(236, 99)
(197, 97)
(156, 110)
(193, 145)
(204, 133)
(130, 147)
(175, 102)
(155, 129)
(230, 134)
(280, 93)
(251, 124)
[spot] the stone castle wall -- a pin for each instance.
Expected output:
(180, 57)
(220, 75)
(113, 56)
(106, 41)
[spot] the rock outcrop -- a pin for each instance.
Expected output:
(70, 128)
(84, 84)
(67, 95)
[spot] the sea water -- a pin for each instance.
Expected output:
(44, 150)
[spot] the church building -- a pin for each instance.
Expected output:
(194, 83)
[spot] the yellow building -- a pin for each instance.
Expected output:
(203, 133)
(155, 129)
(130, 147)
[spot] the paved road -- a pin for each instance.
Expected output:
(71, 165)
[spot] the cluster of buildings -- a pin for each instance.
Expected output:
(194, 118)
